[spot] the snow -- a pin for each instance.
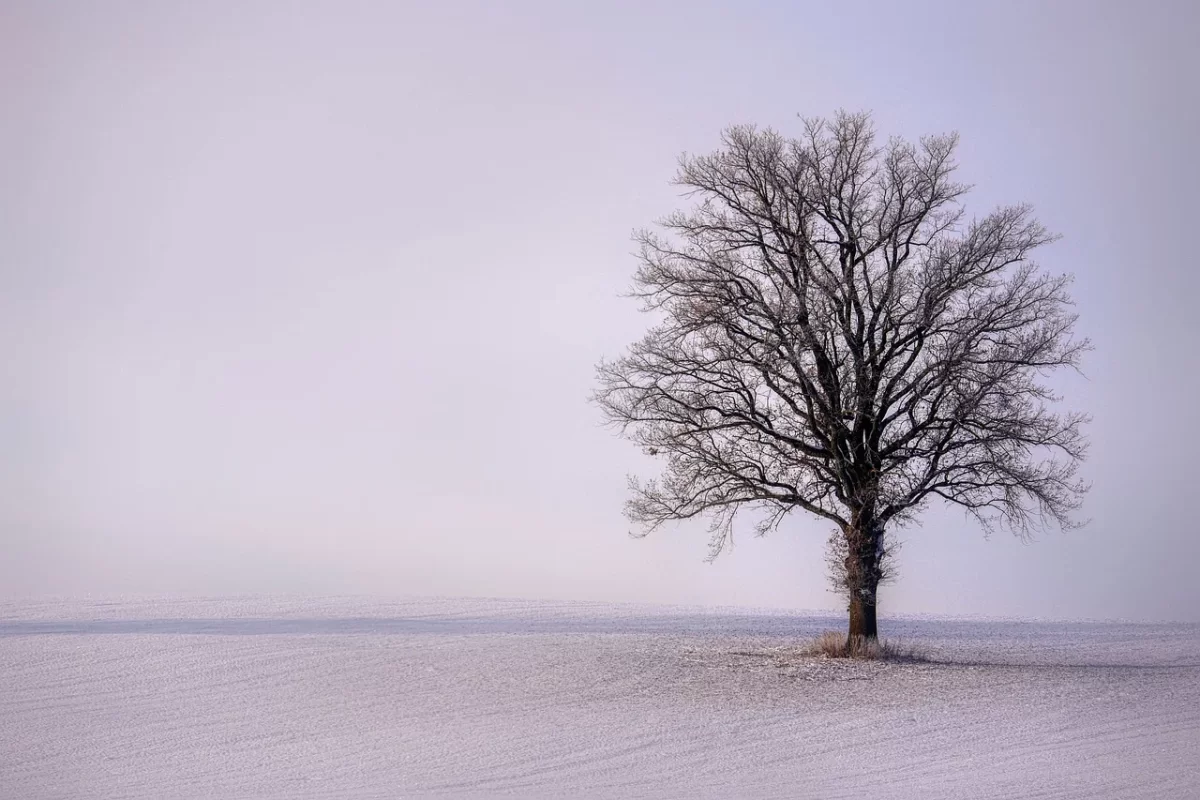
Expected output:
(366, 698)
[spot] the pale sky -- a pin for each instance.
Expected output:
(306, 297)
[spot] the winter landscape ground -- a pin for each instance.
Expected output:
(355, 698)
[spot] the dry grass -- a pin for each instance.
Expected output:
(832, 644)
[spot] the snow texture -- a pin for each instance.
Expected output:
(355, 698)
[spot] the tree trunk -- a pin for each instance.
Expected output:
(864, 571)
(862, 617)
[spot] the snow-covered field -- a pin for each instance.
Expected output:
(352, 698)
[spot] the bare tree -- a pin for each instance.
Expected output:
(836, 336)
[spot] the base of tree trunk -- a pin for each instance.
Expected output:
(862, 618)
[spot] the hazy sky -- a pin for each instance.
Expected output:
(306, 297)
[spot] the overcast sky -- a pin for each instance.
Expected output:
(306, 297)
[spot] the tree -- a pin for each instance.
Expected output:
(836, 336)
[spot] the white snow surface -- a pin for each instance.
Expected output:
(367, 698)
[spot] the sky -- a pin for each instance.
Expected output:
(307, 297)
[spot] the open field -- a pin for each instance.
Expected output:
(347, 697)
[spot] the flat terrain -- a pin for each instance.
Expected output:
(352, 698)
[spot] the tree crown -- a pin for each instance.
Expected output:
(837, 336)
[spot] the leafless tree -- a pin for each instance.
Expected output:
(836, 336)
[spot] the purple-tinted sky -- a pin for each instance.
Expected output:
(306, 297)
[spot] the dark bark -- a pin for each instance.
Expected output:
(862, 617)
(864, 571)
